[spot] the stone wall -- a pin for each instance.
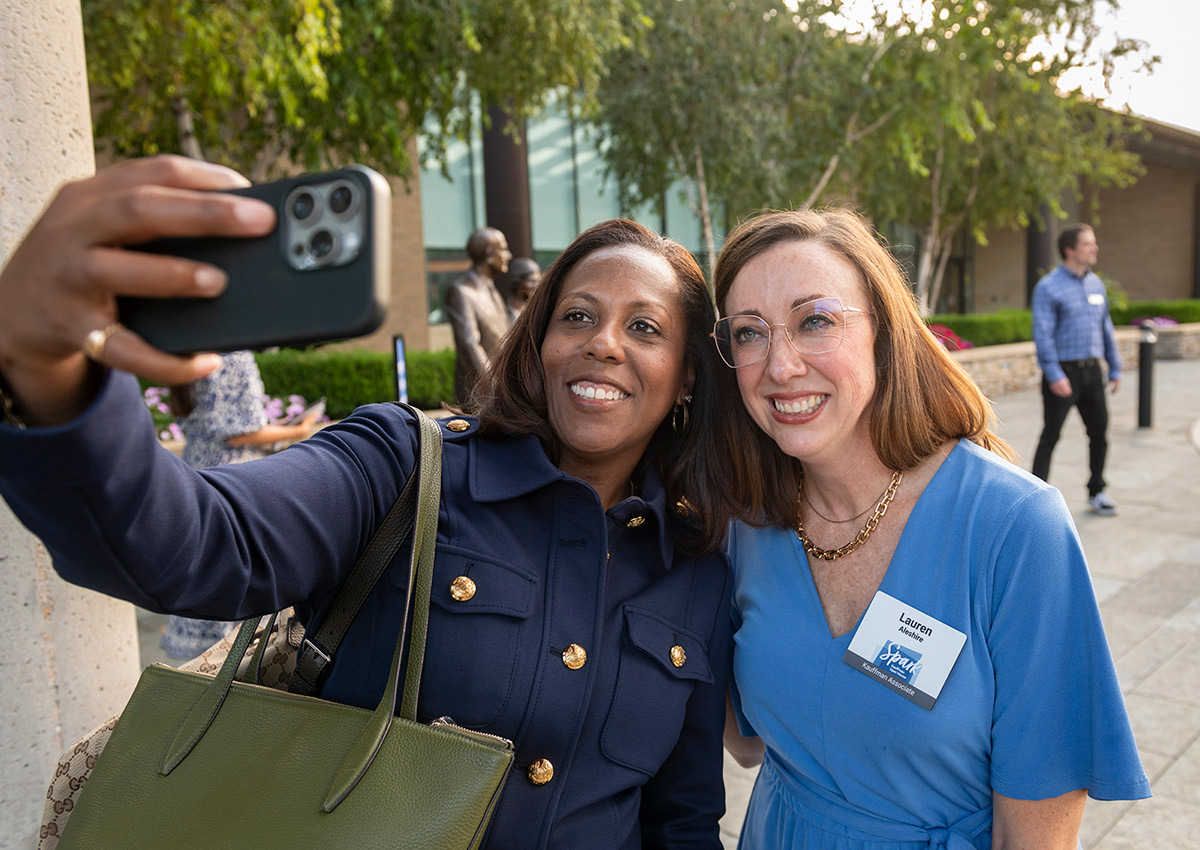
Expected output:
(1000, 369)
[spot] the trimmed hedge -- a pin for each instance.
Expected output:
(1006, 326)
(997, 328)
(348, 379)
(430, 377)
(1182, 311)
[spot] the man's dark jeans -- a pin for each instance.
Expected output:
(1087, 394)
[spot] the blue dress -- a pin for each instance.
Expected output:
(1031, 709)
(228, 403)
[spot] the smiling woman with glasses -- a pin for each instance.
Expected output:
(902, 592)
(813, 327)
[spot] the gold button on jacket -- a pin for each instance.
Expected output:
(574, 656)
(678, 656)
(462, 589)
(635, 522)
(540, 772)
(458, 425)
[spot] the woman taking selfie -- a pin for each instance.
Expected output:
(917, 644)
(594, 632)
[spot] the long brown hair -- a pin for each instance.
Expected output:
(510, 398)
(923, 398)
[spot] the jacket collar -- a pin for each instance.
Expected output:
(509, 468)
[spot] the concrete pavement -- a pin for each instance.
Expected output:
(1145, 565)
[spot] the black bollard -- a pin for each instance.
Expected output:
(1146, 375)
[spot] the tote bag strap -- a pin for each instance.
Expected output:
(362, 752)
(317, 652)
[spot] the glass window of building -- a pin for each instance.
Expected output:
(451, 207)
(568, 192)
(552, 198)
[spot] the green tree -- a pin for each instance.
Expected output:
(686, 103)
(985, 137)
(263, 85)
(747, 103)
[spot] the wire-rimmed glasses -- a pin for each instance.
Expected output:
(817, 326)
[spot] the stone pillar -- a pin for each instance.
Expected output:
(1039, 251)
(70, 656)
(506, 182)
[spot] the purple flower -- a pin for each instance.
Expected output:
(1159, 321)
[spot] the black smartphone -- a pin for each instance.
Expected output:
(322, 274)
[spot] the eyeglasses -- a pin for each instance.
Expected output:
(814, 327)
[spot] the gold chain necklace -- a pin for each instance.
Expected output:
(808, 502)
(863, 533)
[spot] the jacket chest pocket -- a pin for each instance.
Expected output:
(660, 665)
(478, 619)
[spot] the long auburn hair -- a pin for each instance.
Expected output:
(923, 398)
(510, 397)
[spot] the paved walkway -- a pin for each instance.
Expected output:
(1146, 568)
(1145, 565)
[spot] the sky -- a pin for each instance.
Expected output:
(1172, 92)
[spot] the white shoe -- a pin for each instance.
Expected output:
(1102, 505)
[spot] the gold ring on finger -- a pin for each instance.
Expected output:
(94, 342)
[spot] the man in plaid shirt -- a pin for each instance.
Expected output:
(1073, 332)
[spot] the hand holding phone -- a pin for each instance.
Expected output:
(58, 286)
(322, 274)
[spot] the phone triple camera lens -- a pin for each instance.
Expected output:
(340, 199)
(321, 244)
(323, 222)
(303, 205)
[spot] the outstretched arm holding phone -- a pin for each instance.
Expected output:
(61, 284)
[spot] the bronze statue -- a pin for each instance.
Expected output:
(476, 310)
(518, 283)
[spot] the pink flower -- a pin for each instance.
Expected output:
(948, 338)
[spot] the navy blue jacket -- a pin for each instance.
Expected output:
(634, 739)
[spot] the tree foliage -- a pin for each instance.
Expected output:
(985, 136)
(263, 85)
(727, 97)
(943, 115)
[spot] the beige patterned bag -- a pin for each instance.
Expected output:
(74, 765)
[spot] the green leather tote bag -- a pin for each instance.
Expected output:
(223, 764)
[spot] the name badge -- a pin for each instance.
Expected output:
(905, 649)
(1096, 299)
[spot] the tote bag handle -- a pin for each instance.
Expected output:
(420, 581)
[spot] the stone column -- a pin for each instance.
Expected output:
(506, 183)
(70, 656)
(1039, 251)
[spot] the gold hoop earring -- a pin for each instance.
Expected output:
(680, 415)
